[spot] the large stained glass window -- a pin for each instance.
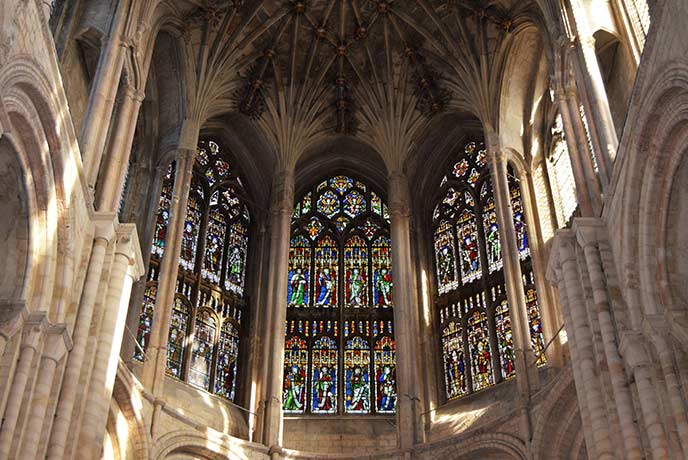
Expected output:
(477, 339)
(203, 345)
(339, 355)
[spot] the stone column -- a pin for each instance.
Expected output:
(276, 300)
(588, 199)
(117, 160)
(589, 383)
(156, 353)
(589, 74)
(126, 267)
(405, 313)
(101, 100)
(56, 344)
(635, 355)
(104, 232)
(588, 231)
(31, 341)
(554, 274)
(513, 277)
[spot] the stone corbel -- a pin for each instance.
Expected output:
(105, 224)
(633, 351)
(13, 315)
(33, 330)
(129, 246)
(589, 231)
(57, 342)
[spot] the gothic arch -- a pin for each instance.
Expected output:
(647, 194)
(176, 443)
(38, 136)
(494, 445)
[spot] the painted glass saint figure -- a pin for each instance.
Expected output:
(325, 288)
(383, 287)
(387, 392)
(324, 379)
(294, 388)
(357, 390)
(297, 288)
(356, 287)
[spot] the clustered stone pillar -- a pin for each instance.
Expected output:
(57, 342)
(405, 313)
(588, 191)
(102, 98)
(276, 297)
(156, 352)
(588, 385)
(117, 160)
(31, 341)
(104, 232)
(513, 277)
(588, 231)
(126, 267)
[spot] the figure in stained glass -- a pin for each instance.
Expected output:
(445, 258)
(202, 351)
(295, 364)
(479, 345)
(145, 322)
(299, 272)
(324, 377)
(177, 336)
(385, 375)
(226, 369)
(237, 243)
(356, 263)
(357, 390)
(505, 340)
(326, 265)
(454, 361)
(325, 287)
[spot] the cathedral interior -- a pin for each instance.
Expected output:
(344, 229)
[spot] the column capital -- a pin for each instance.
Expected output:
(105, 224)
(34, 327)
(632, 349)
(399, 194)
(57, 343)
(185, 154)
(589, 231)
(127, 244)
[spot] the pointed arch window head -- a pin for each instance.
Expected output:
(340, 274)
(476, 333)
(203, 342)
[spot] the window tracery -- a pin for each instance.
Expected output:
(203, 342)
(339, 355)
(477, 339)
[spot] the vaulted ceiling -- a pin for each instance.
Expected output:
(380, 70)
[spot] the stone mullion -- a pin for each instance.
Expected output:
(75, 360)
(156, 354)
(513, 277)
(587, 236)
(590, 382)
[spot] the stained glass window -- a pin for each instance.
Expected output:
(385, 376)
(295, 368)
(454, 361)
(145, 321)
(213, 255)
(227, 355)
(324, 375)
(326, 273)
(477, 339)
(299, 272)
(179, 325)
(357, 375)
(202, 350)
(340, 274)
(356, 272)
(162, 216)
(192, 224)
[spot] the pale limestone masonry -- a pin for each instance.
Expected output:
(97, 94)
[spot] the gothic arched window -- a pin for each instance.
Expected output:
(203, 342)
(477, 343)
(339, 354)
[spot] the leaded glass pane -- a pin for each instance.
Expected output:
(299, 272)
(326, 268)
(454, 361)
(227, 355)
(202, 350)
(385, 376)
(214, 246)
(145, 322)
(295, 366)
(237, 247)
(382, 273)
(357, 375)
(479, 346)
(179, 326)
(324, 375)
(163, 215)
(187, 257)
(356, 272)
